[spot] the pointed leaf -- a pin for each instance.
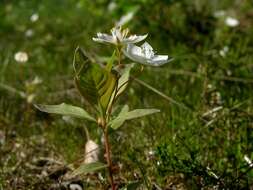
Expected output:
(88, 168)
(118, 121)
(83, 78)
(79, 59)
(123, 80)
(95, 84)
(65, 109)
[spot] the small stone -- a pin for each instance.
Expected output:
(75, 187)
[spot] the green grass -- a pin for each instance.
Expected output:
(184, 141)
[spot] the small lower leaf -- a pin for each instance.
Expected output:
(65, 109)
(88, 168)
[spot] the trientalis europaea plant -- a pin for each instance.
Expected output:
(100, 86)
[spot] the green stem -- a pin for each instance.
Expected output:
(105, 132)
(118, 48)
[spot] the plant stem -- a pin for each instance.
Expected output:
(118, 48)
(108, 158)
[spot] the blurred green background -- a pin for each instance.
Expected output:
(198, 142)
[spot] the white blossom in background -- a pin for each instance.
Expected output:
(219, 13)
(119, 37)
(21, 57)
(29, 33)
(145, 55)
(248, 160)
(231, 21)
(223, 52)
(31, 89)
(34, 17)
(37, 80)
(125, 18)
(112, 6)
(91, 152)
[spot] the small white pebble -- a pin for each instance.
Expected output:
(75, 187)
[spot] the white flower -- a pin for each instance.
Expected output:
(21, 57)
(34, 17)
(232, 22)
(145, 55)
(91, 152)
(118, 36)
(223, 52)
(29, 33)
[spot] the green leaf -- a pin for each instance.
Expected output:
(79, 59)
(95, 84)
(65, 109)
(125, 115)
(88, 168)
(110, 62)
(123, 80)
(119, 122)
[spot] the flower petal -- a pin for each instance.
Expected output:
(134, 53)
(105, 38)
(134, 50)
(147, 50)
(134, 39)
(159, 60)
(145, 55)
